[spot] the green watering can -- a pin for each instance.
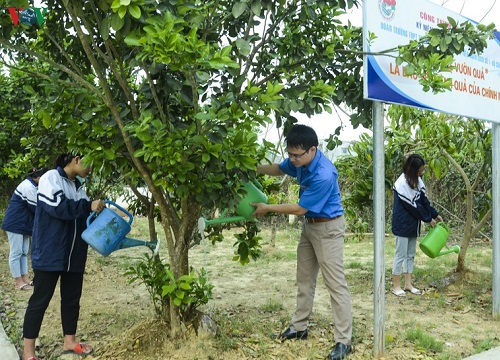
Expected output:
(244, 209)
(435, 240)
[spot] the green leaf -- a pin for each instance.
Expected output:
(122, 11)
(168, 289)
(132, 41)
(46, 120)
(238, 9)
(185, 286)
(135, 11)
(109, 154)
(243, 47)
(226, 50)
(29, 89)
(104, 27)
(117, 22)
(116, 5)
(256, 7)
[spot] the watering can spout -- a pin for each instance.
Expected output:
(128, 243)
(455, 249)
(203, 223)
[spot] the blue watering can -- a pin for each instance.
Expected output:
(106, 232)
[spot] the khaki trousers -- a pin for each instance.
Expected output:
(321, 246)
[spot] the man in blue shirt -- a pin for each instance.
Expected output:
(321, 244)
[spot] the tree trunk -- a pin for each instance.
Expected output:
(468, 219)
(175, 322)
(151, 221)
(179, 265)
(273, 231)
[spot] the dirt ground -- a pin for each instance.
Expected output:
(117, 317)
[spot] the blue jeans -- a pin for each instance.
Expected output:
(405, 255)
(18, 255)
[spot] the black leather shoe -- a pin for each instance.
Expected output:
(339, 351)
(289, 334)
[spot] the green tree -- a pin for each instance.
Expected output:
(169, 94)
(15, 107)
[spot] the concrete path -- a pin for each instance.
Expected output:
(7, 349)
(492, 354)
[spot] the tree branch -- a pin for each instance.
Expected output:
(63, 68)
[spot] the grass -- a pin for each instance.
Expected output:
(353, 265)
(424, 340)
(272, 306)
(485, 345)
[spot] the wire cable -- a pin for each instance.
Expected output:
(492, 5)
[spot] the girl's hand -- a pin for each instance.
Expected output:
(98, 206)
(439, 218)
(433, 222)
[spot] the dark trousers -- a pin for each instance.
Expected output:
(45, 284)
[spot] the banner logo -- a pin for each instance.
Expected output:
(387, 8)
(28, 16)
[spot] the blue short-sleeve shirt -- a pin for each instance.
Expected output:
(319, 189)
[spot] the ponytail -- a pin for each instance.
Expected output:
(36, 173)
(63, 160)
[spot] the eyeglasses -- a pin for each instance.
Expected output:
(298, 156)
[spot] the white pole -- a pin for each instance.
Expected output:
(379, 230)
(496, 206)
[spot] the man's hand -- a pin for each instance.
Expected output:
(260, 209)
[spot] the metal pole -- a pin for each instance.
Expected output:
(496, 206)
(379, 230)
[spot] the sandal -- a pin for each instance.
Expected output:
(81, 349)
(400, 293)
(414, 291)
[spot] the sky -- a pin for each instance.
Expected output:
(481, 11)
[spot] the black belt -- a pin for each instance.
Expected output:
(320, 219)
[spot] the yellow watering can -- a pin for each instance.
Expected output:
(435, 240)
(244, 209)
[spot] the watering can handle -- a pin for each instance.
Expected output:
(93, 214)
(443, 225)
(130, 217)
(257, 184)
